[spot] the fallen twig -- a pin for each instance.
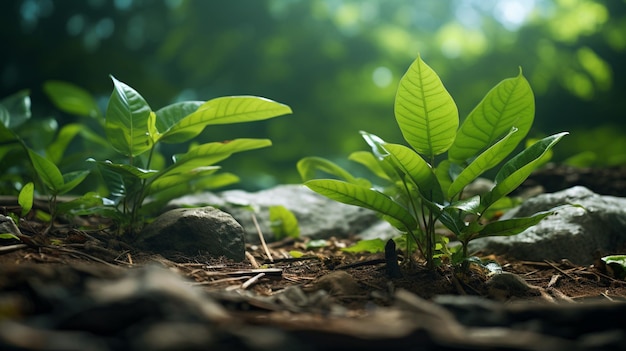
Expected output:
(11, 248)
(258, 229)
(252, 280)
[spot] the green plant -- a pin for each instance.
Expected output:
(139, 186)
(137, 179)
(421, 187)
(15, 112)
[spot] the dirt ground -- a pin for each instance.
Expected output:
(356, 282)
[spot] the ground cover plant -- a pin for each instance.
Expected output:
(420, 187)
(137, 180)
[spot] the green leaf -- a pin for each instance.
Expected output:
(308, 166)
(129, 170)
(485, 161)
(518, 168)
(616, 265)
(126, 122)
(67, 133)
(210, 153)
(371, 246)
(71, 180)
(418, 169)
(8, 236)
(425, 111)
(378, 150)
(170, 115)
(71, 98)
(283, 222)
(357, 195)
(122, 179)
(47, 171)
(512, 226)
(26, 197)
(181, 178)
(370, 161)
(223, 110)
(509, 104)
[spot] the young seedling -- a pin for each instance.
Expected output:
(422, 188)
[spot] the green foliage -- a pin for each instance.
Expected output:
(616, 265)
(137, 180)
(283, 222)
(26, 198)
(422, 188)
(137, 186)
(372, 246)
(15, 112)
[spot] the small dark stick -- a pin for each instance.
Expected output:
(391, 259)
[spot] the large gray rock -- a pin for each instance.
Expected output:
(194, 231)
(573, 233)
(318, 216)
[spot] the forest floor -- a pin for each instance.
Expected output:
(356, 282)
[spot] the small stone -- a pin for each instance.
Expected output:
(194, 231)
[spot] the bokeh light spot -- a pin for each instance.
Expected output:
(382, 76)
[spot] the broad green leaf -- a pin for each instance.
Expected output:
(152, 129)
(216, 181)
(370, 161)
(469, 205)
(129, 170)
(308, 166)
(371, 246)
(184, 178)
(161, 196)
(509, 104)
(512, 226)
(518, 168)
(485, 161)
(418, 169)
(171, 115)
(71, 180)
(210, 153)
(126, 122)
(47, 171)
(122, 180)
(67, 133)
(223, 110)
(425, 111)
(71, 98)
(283, 222)
(26, 197)
(361, 196)
(378, 150)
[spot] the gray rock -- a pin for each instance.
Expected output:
(318, 216)
(573, 233)
(7, 226)
(194, 231)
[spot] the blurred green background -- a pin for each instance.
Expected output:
(335, 62)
